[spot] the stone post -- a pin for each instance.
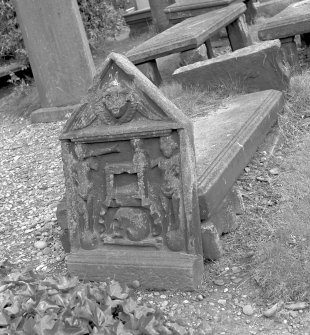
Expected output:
(59, 54)
(160, 20)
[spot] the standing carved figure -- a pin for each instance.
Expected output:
(171, 189)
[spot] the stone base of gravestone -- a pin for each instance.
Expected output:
(52, 114)
(255, 68)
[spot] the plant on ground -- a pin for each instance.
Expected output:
(33, 305)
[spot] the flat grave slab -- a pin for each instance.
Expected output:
(271, 8)
(186, 35)
(258, 67)
(139, 21)
(182, 10)
(294, 20)
(226, 139)
(189, 35)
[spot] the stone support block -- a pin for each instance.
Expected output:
(238, 34)
(254, 68)
(150, 70)
(211, 243)
(290, 53)
(194, 55)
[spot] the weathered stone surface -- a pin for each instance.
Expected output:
(186, 35)
(294, 20)
(139, 21)
(211, 244)
(52, 114)
(58, 50)
(256, 68)
(129, 165)
(272, 7)
(225, 141)
(193, 56)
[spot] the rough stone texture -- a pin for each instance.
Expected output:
(139, 21)
(193, 56)
(129, 166)
(273, 7)
(211, 244)
(294, 20)
(257, 68)
(238, 34)
(58, 50)
(225, 141)
(52, 114)
(186, 35)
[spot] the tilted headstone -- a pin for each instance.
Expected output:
(58, 50)
(129, 164)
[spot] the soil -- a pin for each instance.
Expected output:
(228, 302)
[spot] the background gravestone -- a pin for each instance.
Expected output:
(131, 194)
(58, 50)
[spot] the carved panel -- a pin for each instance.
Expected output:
(129, 193)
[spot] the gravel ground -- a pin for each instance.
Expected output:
(31, 185)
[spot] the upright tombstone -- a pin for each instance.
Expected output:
(59, 53)
(131, 195)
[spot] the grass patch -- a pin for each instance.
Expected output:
(276, 223)
(194, 101)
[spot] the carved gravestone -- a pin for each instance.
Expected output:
(129, 164)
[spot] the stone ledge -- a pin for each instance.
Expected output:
(52, 114)
(167, 270)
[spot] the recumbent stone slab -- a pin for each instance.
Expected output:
(294, 20)
(255, 68)
(273, 7)
(225, 141)
(182, 10)
(186, 35)
(58, 50)
(132, 203)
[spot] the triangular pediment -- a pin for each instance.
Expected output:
(122, 100)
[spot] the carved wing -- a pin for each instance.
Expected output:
(85, 117)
